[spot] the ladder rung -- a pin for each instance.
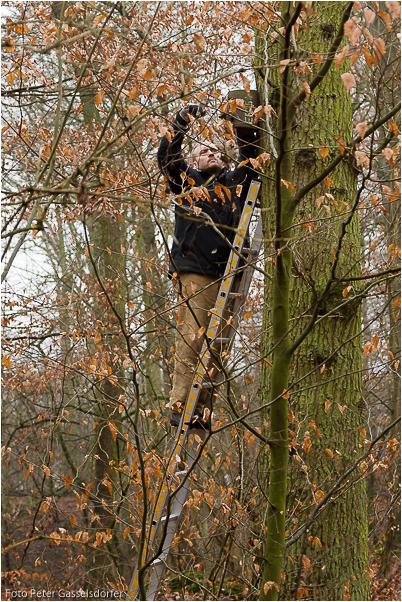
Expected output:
(180, 473)
(221, 340)
(170, 517)
(236, 295)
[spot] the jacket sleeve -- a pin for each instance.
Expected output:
(170, 158)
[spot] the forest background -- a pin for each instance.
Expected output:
(297, 492)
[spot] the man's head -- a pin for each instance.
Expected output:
(207, 157)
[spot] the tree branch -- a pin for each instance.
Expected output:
(313, 183)
(327, 497)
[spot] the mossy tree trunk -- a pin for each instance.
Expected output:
(317, 344)
(154, 298)
(107, 238)
(279, 232)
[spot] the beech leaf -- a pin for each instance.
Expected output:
(388, 153)
(306, 88)
(6, 361)
(361, 128)
(394, 9)
(349, 81)
(199, 41)
(246, 83)
(268, 585)
(369, 16)
(306, 563)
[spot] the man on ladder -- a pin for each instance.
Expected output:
(210, 199)
(214, 207)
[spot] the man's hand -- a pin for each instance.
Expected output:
(195, 111)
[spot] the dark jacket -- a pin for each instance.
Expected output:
(197, 247)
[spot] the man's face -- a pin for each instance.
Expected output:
(207, 158)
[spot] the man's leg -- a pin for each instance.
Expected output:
(197, 294)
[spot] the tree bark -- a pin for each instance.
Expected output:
(329, 561)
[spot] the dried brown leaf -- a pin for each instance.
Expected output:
(349, 81)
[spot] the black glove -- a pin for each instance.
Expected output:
(195, 111)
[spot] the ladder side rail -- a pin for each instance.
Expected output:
(158, 566)
(230, 330)
(243, 288)
(245, 282)
(214, 324)
(178, 498)
(201, 370)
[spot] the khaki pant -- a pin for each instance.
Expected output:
(199, 292)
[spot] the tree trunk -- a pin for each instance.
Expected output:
(107, 237)
(329, 560)
(154, 297)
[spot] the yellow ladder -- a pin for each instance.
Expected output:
(175, 486)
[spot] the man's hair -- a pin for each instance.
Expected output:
(194, 151)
